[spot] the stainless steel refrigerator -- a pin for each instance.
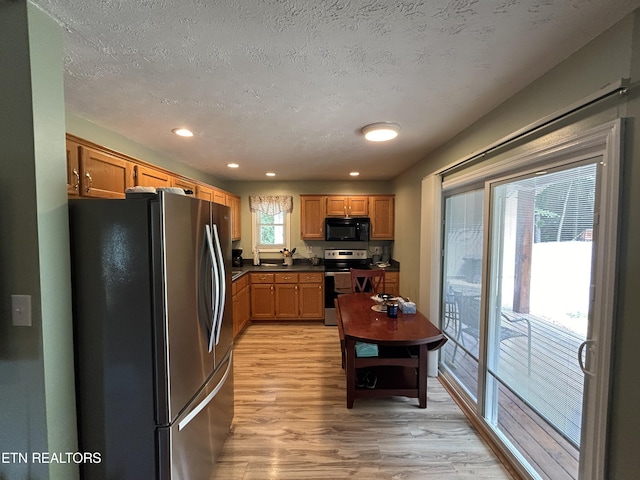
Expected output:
(153, 334)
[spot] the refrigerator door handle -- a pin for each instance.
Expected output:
(204, 297)
(198, 408)
(217, 326)
(216, 287)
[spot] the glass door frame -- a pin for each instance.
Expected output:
(605, 140)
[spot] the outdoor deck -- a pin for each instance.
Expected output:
(552, 384)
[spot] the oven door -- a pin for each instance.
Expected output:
(330, 294)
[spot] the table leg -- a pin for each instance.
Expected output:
(422, 375)
(350, 369)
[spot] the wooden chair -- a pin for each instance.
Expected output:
(367, 280)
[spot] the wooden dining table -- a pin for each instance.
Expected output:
(403, 343)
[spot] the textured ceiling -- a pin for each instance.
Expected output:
(286, 85)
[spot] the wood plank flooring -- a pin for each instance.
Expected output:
(291, 420)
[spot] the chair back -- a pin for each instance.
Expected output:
(367, 280)
(469, 310)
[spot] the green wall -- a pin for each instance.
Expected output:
(36, 363)
(611, 56)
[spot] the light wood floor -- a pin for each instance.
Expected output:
(291, 419)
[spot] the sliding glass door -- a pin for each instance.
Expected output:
(541, 251)
(528, 287)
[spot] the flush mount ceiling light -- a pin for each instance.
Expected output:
(354, 174)
(381, 132)
(270, 174)
(232, 165)
(183, 132)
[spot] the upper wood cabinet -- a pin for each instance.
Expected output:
(103, 175)
(73, 168)
(184, 184)
(381, 211)
(151, 177)
(312, 214)
(95, 171)
(233, 201)
(211, 194)
(204, 193)
(347, 206)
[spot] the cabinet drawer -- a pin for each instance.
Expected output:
(314, 277)
(286, 277)
(262, 278)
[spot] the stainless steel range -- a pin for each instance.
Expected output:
(338, 261)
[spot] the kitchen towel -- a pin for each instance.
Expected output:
(342, 282)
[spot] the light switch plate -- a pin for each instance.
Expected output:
(21, 310)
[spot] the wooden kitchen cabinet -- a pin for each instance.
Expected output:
(392, 283)
(311, 295)
(204, 193)
(263, 303)
(233, 201)
(287, 296)
(73, 168)
(286, 288)
(241, 296)
(151, 177)
(103, 175)
(381, 211)
(347, 206)
(312, 215)
(184, 184)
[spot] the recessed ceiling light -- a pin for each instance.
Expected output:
(183, 132)
(270, 174)
(354, 174)
(381, 132)
(232, 165)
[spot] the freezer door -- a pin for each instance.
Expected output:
(192, 445)
(185, 361)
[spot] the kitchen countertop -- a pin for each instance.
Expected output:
(298, 266)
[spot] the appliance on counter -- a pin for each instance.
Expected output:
(339, 261)
(153, 334)
(236, 257)
(353, 229)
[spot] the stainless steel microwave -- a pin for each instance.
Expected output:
(354, 229)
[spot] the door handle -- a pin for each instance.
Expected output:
(216, 287)
(587, 344)
(222, 276)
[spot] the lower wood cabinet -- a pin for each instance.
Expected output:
(287, 296)
(392, 283)
(241, 297)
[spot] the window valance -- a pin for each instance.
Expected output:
(271, 204)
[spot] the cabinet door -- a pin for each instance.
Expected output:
(103, 175)
(312, 214)
(150, 177)
(392, 283)
(286, 300)
(219, 197)
(262, 301)
(73, 168)
(244, 301)
(234, 202)
(358, 206)
(311, 301)
(337, 206)
(381, 211)
(204, 193)
(184, 184)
